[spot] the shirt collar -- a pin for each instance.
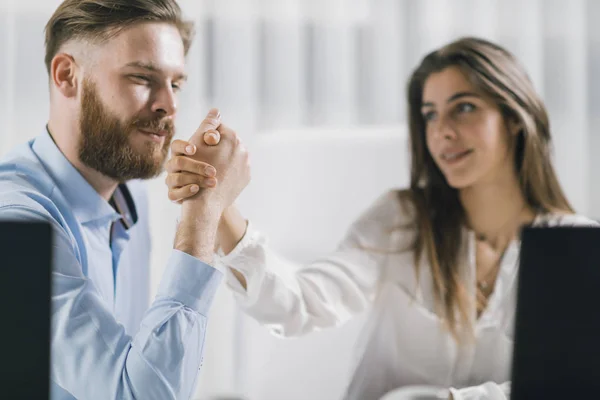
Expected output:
(122, 201)
(84, 200)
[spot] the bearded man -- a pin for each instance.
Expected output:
(115, 68)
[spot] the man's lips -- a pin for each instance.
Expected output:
(152, 132)
(155, 136)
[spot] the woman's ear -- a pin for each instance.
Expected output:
(514, 126)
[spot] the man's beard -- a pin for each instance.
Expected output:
(105, 141)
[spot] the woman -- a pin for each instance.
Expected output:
(435, 263)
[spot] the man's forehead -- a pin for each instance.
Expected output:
(157, 47)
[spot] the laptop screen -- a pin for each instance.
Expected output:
(25, 280)
(557, 326)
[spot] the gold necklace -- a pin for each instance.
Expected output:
(482, 236)
(483, 284)
(485, 287)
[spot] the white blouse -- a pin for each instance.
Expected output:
(403, 342)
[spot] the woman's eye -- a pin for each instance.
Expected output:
(429, 116)
(465, 107)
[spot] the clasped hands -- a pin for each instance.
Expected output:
(213, 163)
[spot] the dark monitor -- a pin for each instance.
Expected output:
(25, 281)
(557, 326)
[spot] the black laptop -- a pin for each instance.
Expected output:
(25, 280)
(557, 327)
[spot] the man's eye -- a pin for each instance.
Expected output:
(141, 78)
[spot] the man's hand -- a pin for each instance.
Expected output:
(187, 176)
(204, 207)
(193, 163)
(229, 158)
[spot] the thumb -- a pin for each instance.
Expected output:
(212, 138)
(210, 123)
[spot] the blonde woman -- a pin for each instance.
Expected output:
(435, 263)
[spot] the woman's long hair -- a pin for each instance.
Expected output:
(439, 213)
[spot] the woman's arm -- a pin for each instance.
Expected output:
(289, 298)
(232, 229)
(295, 299)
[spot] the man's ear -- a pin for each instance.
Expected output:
(63, 74)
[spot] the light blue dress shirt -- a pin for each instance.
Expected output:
(107, 341)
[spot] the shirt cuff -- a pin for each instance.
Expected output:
(190, 281)
(248, 257)
(455, 394)
(250, 237)
(486, 391)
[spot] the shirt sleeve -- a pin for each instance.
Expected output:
(486, 391)
(293, 299)
(92, 356)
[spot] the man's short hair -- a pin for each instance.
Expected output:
(99, 20)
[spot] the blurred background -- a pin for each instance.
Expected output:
(316, 89)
